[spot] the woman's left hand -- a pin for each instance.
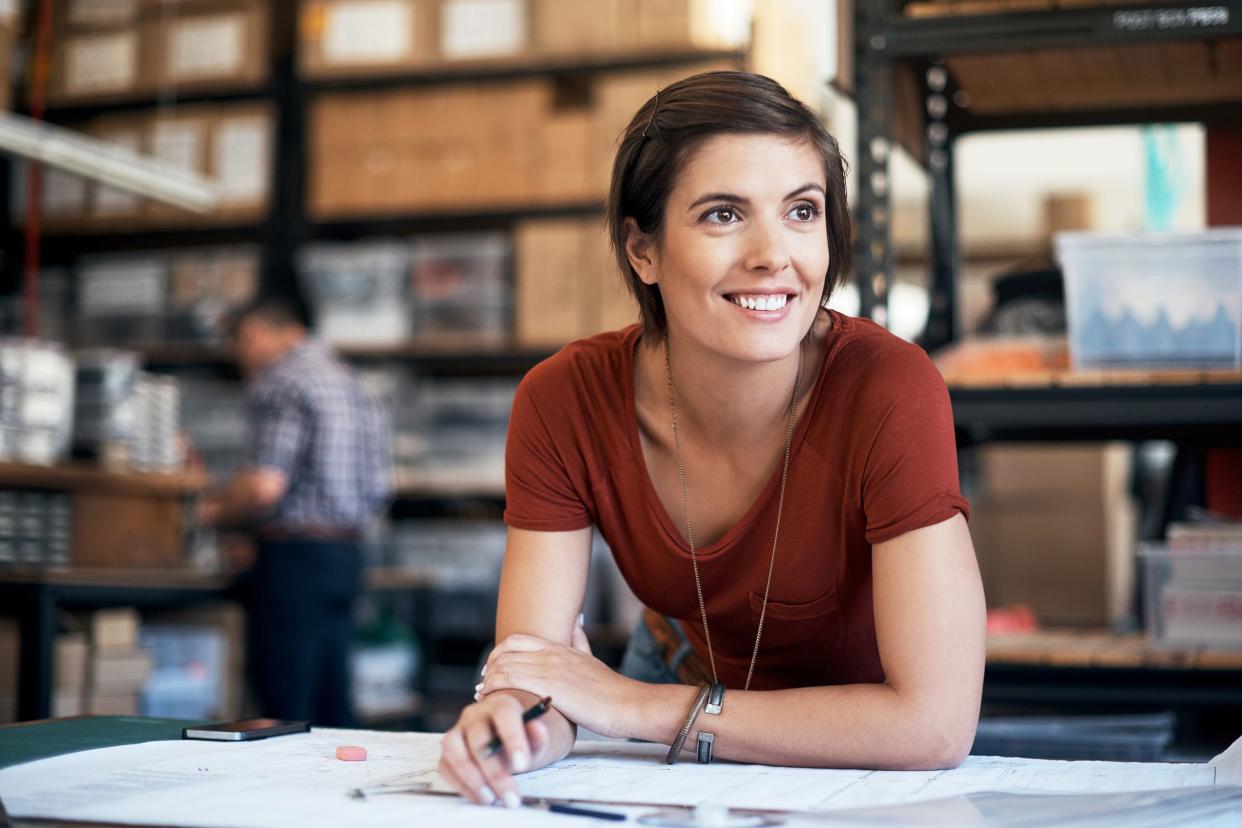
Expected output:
(584, 689)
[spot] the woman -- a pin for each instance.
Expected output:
(779, 478)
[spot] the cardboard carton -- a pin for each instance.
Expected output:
(210, 48)
(339, 38)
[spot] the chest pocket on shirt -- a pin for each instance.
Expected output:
(798, 629)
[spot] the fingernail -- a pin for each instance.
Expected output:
(483, 672)
(512, 800)
(520, 762)
(478, 687)
(487, 795)
(581, 619)
(477, 697)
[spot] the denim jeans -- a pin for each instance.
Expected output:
(644, 659)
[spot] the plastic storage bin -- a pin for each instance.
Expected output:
(1192, 597)
(1154, 300)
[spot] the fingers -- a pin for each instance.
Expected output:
(496, 768)
(537, 736)
(460, 771)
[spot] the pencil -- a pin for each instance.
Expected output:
(536, 710)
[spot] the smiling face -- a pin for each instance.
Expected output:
(742, 255)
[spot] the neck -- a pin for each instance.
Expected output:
(726, 401)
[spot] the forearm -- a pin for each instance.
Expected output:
(848, 726)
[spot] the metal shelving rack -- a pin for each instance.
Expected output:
(954, 68)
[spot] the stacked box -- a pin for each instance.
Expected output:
(106, 421)
(358, 291)
(451, 435)
(568, 286)
(117, 667)
(451, 554)
(1193, 587)
(116, 49)
(36, 529)
(158, 407)
(350, 37)
(121, 299)
(459, 289)
(36, 401)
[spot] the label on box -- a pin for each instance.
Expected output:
(482, 28)
(64, 194)
(87, 13)
(101, 63)
(368, 32)
(206, 47)
(178, 144)
(111, 201)
(241, 160)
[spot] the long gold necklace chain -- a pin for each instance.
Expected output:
(685, 505)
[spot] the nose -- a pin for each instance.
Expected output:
(766, 250)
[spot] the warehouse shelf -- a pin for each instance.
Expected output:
(939, 71)
(434, 221)
(498, 360)
(66, 245)
(1193, 410)
(86, 478)
(69, 113)
(533, 66)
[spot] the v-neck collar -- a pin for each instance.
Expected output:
(744, 523)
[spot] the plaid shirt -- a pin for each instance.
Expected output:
(310, 418)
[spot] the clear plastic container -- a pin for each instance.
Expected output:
(1192, 597)
(1154, 299)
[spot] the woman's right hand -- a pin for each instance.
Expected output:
(486, 779)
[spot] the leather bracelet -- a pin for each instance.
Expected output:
(704, 747)
(684, 733)
(715, 700)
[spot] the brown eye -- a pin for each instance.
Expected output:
(721, 215)
(806, 211)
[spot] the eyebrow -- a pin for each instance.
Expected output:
(805, 188)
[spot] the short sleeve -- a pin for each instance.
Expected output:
(910, 478)
(279, 430)
(539, 490)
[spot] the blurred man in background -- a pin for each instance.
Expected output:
(317, 472)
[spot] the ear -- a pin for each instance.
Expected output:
(640, 250)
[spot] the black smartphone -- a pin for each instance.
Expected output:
(245, 730)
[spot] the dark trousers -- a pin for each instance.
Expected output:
(299, 622)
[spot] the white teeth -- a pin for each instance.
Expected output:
(763, 303)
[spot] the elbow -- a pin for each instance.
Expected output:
(947, 746)
(944, 745)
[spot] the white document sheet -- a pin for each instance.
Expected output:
(296, 780)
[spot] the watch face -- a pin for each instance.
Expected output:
(1028, 316)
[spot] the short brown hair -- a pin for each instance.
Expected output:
(665, 131)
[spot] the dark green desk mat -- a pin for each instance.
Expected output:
(40, 740)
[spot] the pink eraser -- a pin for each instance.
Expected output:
(351, 753)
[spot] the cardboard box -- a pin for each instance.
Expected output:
(210, 48)
(115, 629)
(179, 138)
(1083, 475)
(241, 160)
(697, 24)
(569, 259)
(99, 65)
(570, 27)
(476, 29)
(89, 15)
(118, 671)
(68, 703)
(205, 288)
(551, 291)
(359, 37)
(110, 206)
(1054, 527)
(124, 704)
(69, 670)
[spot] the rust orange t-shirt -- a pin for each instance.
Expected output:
(873, 457)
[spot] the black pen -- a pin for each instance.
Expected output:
(536, 710)
(573, 810)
